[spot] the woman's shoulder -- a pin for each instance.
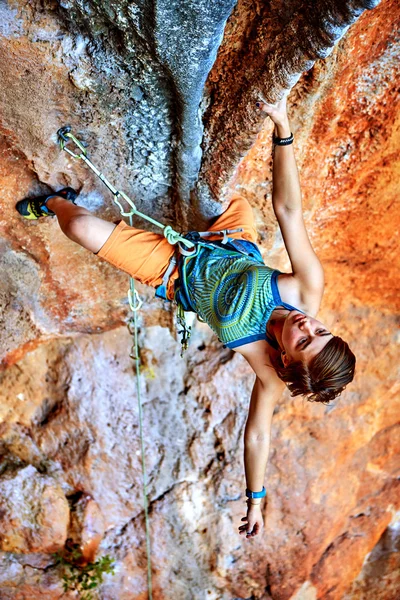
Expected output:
(258, 354)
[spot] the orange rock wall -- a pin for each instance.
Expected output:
(69, 438)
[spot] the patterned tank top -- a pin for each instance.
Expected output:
(233, 293)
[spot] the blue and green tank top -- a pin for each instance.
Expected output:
(234, 293)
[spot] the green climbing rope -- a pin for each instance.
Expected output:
(64, 136)
(135, 303)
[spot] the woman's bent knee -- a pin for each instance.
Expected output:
(88, 231)
(76, 228)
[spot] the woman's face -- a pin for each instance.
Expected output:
(303, 337)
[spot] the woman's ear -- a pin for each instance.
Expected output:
(284, 358)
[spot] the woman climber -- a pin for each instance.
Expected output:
(265, 315)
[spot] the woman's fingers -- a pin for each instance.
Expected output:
(249, 529)
(243, 528)
(264, 106)
(272, 110)
(252, 524)
(261, 97)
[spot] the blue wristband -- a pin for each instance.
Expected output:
(261, 494)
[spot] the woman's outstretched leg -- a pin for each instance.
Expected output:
(75, 221)
(142, 254)
(80, 225)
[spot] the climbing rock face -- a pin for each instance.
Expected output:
(163, 94)
(86, 528)
(267, 46)
(34, 513)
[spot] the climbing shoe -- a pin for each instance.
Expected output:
(34, 208)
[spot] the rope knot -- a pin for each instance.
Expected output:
(171, 235)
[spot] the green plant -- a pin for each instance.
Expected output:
(80, 576)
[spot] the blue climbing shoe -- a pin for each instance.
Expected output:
(34, 208)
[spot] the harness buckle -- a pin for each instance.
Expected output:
(184, 252)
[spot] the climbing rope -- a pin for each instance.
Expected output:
(187, 248)
(135, 303)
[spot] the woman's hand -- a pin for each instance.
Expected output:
(254, 520)
(277, 112)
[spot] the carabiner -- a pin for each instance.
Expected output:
(64, 136)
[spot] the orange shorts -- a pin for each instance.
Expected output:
(145, 255)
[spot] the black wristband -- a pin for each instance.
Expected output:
(277, 141)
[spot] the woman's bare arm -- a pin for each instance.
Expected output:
(258, 432)
(287, 203)
(256, 448)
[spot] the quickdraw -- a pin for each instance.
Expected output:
(186, 330)
(173, 237)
